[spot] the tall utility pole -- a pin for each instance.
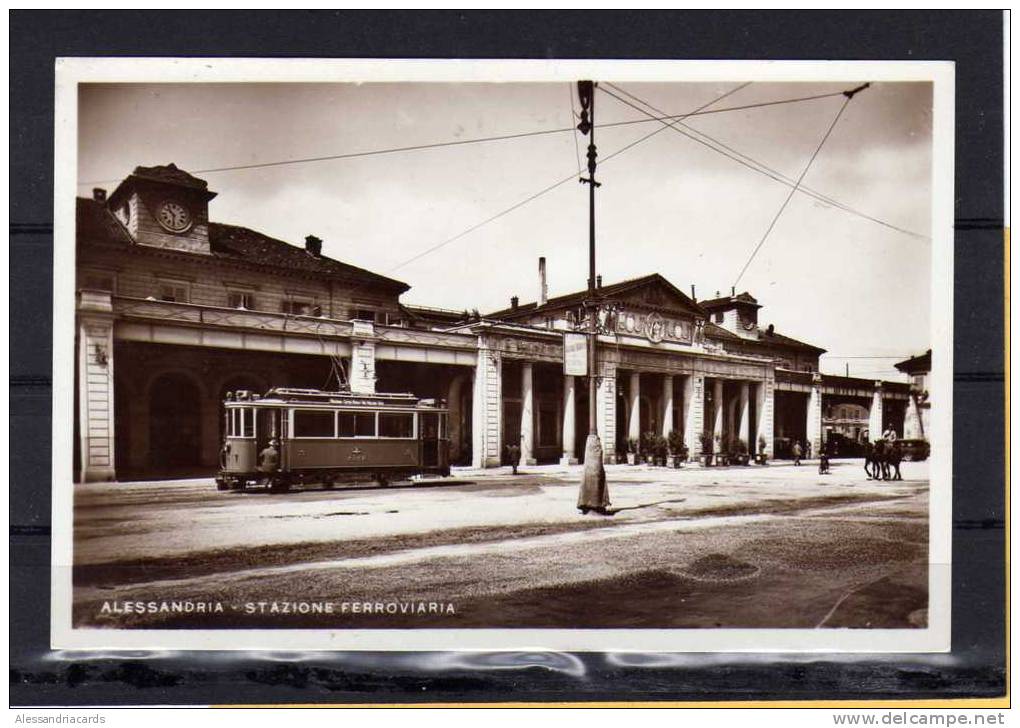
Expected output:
(594, 495)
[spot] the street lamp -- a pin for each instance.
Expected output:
(594, 495)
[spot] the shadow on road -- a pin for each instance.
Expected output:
(614, 511)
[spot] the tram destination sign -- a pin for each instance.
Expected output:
(575, 354)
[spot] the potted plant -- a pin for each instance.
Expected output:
(632, 450)
(677, 449)
(648, 447)
(761, 457)
(706, 449)
(661, 450)
(721, 452)
(739, 452)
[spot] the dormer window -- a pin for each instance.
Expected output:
(241, 299)
(173, 291)
(298, 306)
(719, 317)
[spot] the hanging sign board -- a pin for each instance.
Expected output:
(575, 355)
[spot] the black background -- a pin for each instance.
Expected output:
(976, 665)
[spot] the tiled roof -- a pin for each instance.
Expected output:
(920, 363)
(776, 338)
(169, 173)
(96, 224)
(613, 289)
(713, 331)
(744, 297)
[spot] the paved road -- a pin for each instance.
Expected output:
(733, 547)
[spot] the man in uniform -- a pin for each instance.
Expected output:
(269, 458)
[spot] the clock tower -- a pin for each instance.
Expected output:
(164, 207)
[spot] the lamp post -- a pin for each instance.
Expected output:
(594, 495)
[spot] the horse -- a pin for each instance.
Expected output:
(894, 457)
(881, 464)
(870, 463)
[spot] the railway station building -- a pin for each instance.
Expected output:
(173, 311)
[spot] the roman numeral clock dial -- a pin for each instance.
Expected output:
(174, 216)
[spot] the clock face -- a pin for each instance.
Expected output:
(174, 216)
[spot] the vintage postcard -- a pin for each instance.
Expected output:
(490, 355)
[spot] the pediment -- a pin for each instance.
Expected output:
(657, 294)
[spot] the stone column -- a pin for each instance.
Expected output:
(527, 415)
(765, 409)
(814, 415)
(569, 428)
(95, 386)
(667, 404)
(455, 423)
(634, 402)
(694, 412)
(744, 415)
(717, 426)
(363, 358)
(606, 411)
(875, 415)
(487, 409)
(913, 424)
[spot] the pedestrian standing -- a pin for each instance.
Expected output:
(797, 452)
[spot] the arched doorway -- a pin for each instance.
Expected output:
(175, 427)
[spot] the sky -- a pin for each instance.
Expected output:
(667, 205)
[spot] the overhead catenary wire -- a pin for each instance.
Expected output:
(481, 140)
(551, 187)
(755, 165)
(793, 189)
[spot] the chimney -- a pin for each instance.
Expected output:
(733, 290)
(543, 289)
(694, 295)
(514, 302)
(598, 281)
(99, 194)
(313, 245)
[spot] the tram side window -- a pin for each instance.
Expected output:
(357, 424)
(242, 422)
(396, 424)
(313, 423)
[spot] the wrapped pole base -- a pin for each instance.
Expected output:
(594, 495)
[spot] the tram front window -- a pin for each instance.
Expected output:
(392, 424)
(357, 424)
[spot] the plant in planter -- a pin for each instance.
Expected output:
(739, 453)
(706, 449)
(648, 447)
(721, 452)
(761, 457)
(661, 449)
(632, 450)
(677, 449)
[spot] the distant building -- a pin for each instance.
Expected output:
(918, 368)
(174, 310)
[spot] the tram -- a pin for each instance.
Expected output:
(293, 436)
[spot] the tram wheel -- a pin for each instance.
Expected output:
(279, 485)
(382, 479)
(222, 484)
(328, 483)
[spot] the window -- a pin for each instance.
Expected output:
(98, 280)
(314, 423)
(296, 306)
(242, 422)
(174, 291)
(396, 424)
(241, 299)
(364, 314)
(357, 424)
(719, 317)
